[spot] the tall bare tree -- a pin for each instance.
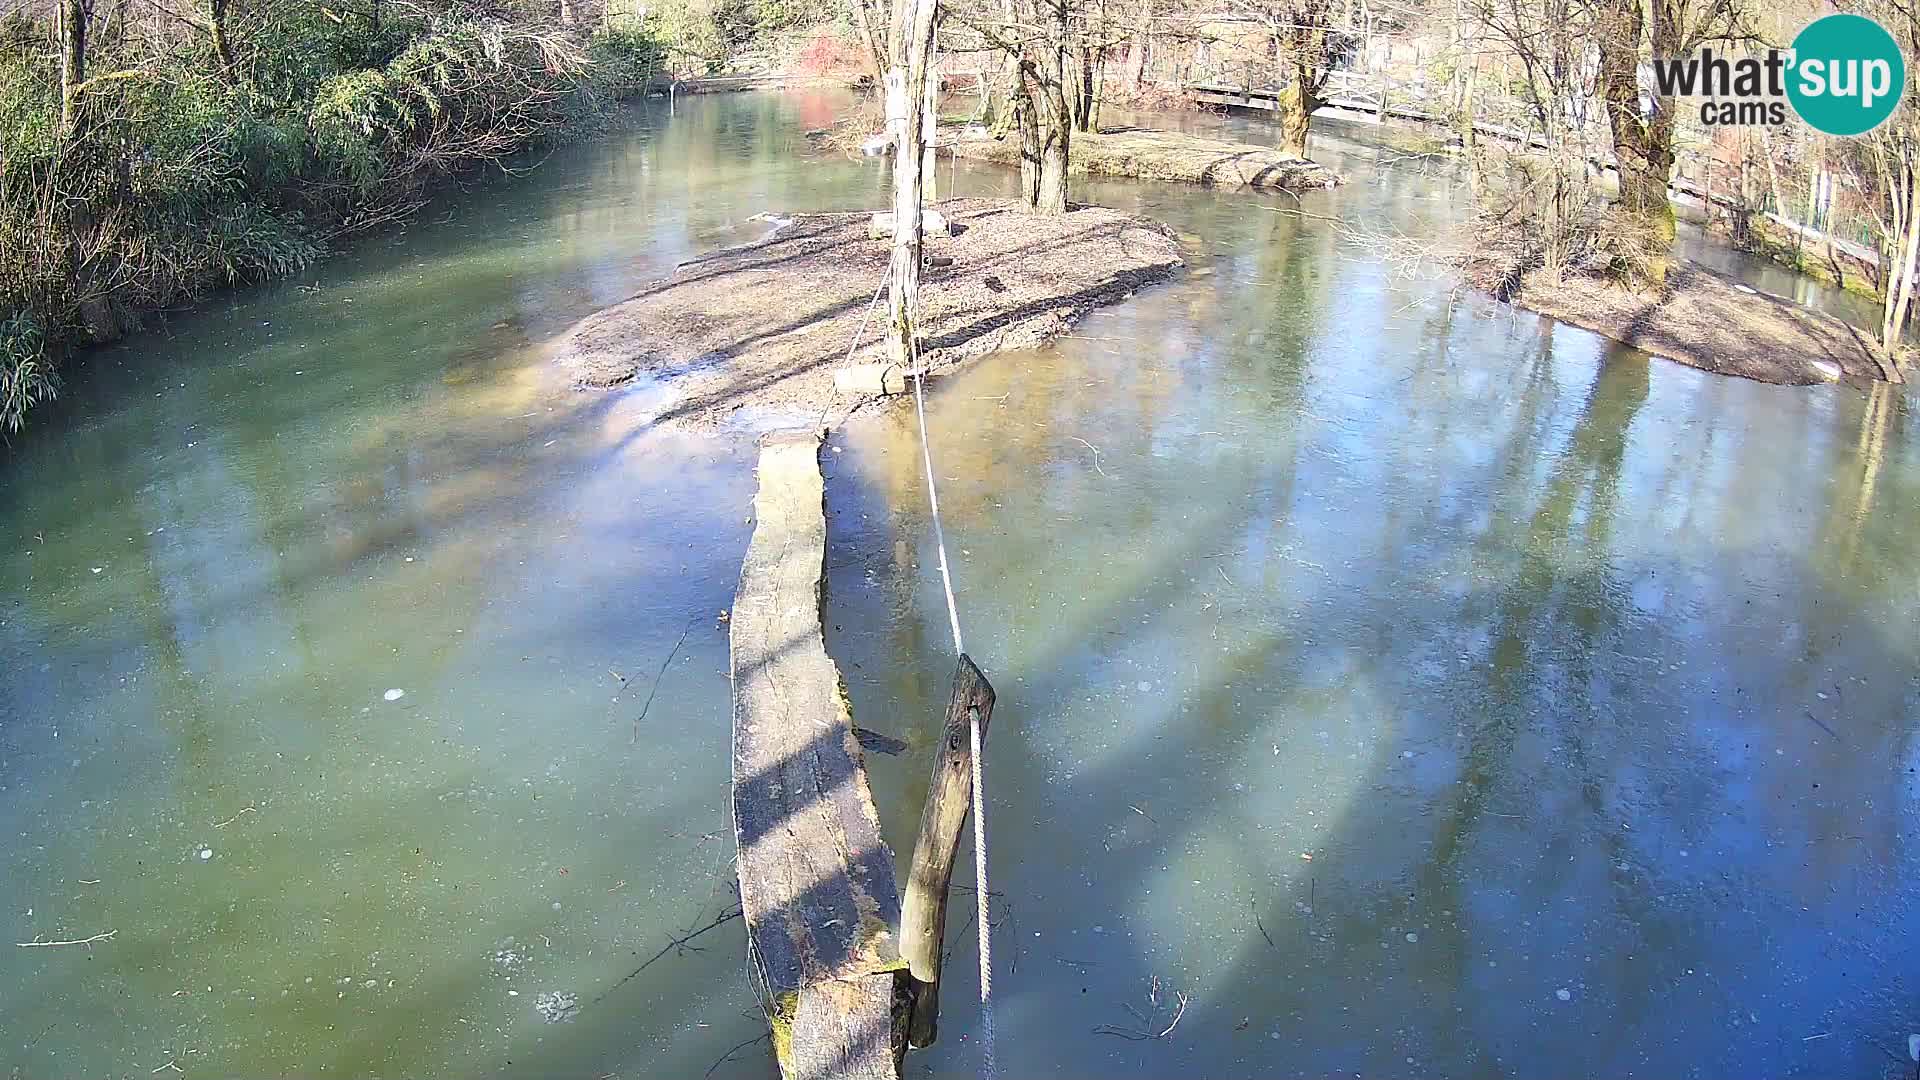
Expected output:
(907, 88)
(1308, 39)
(1623, 32)
(1036, 37)
(1538, 191)
(868, 18)
(1892, 152)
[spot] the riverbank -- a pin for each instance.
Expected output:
(1815, 256)
(129, 196)
(762, 326)
(1705, 320)
(1151, 154)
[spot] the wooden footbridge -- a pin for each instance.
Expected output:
(848, 976)
(1361, 98)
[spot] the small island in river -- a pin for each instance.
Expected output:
(1154, 154)
(1703, 319)
(763, 326)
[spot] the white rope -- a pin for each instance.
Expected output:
(854, 345)
(933, 496)
(980, 894)
(980, 891)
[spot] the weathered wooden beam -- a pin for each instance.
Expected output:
(816, 879)
(923, 912)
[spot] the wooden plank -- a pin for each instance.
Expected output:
(923, 913)
(816, 879)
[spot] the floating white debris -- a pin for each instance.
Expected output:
(1145, 686)
(1412, 938)
(1748, 289)
(1913, 1047)
(206, 853)
(1563, 994)
(98, 569)
(395, 694)
(557, 1006)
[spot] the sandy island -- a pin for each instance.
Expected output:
(762, 326)
(1706, 320)
(1150, 154)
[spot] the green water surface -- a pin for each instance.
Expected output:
(1416, 685)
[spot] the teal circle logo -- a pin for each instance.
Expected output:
(1847, 75)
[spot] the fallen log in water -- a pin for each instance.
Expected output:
(816, 879)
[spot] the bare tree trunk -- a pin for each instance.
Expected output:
(1137, 49)
(1099, 93)
(1090, 71)
(1773, 172)
(1642, 149)
(1082, 86)
(1044, 113)
(1056, 123)
(930, 121)
(217, 29)
(1026, 118)
(906, 96)
(73, 60)
(1741, 223)
(1469, 127)
(1895, 320)
(1297, 98)
(1295, 120)
(876, 48)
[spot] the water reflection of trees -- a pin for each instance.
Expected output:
(1486, 571)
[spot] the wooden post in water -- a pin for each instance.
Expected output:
(923, 910)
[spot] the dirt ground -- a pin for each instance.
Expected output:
(1167, 155)
(762, 326)
(1707, 320)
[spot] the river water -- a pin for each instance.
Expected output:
(1408, 684)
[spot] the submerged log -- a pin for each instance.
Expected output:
(923, 912)
(816, 879)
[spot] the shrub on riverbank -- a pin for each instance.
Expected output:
(186, 163)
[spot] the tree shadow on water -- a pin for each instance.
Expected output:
(1523, 841)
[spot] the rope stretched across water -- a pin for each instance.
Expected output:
(980, 893)
(988, 1068)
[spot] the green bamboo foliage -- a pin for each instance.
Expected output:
(178, 170)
